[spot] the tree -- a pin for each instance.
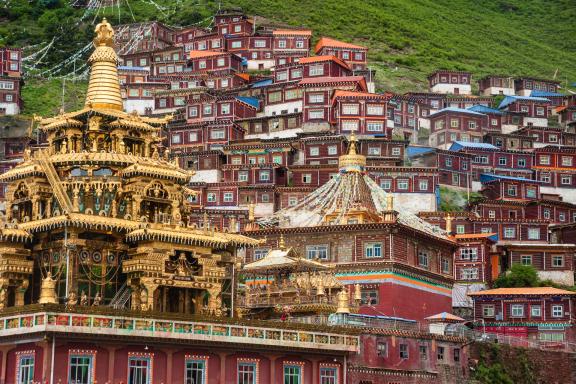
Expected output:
(519, 276)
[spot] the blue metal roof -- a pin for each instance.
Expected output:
(510, 99)
(414, 151)
(483, 109)
(488, 177)
(262, 83)
(536, 93)
(458, 145)
(459, 110)
(249, 100)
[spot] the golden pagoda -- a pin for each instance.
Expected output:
(99, 216)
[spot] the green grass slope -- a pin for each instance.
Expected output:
(407, 39)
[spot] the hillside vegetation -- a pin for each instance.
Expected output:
(407, 39)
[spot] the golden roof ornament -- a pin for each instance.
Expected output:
(282, 244)
(48, 290)
(352, 161)
(104, 86)
(342, 300)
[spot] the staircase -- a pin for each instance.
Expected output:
(121, 298)
(52, 176)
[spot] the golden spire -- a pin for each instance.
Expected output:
(282, 244)
(352, 161)
(104, 86)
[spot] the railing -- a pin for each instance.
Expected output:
(263, 300)
(54, 180)
(121, 298)
(514, 341)
(138, 327)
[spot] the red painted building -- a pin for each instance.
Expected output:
(10, 81)
(454, 82)
(454, 168)
(554, 166)
(542, 313)
(450, 125)
(525, 85)
(361, 112)
(354, 55)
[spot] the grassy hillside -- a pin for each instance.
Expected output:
(407, 39)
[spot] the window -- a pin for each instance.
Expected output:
(469, 254)
(243, 176)
(306, 178)
(316, 70)
(386, 184)
(374, 151)
(526, 259)
(423, 185)
(217, 134)
(215, 43)
(551, 336)
(469, 274)
(80, 369)
(517, 310)
(315, 114)
(445, 265)
(350, 109)
(511, 190)
(176, 139)
(196, 371)
(259, 43)
(491, 214)
(521, 162)
(316, 98)
(553, 138)
(545, 160)
(534, 233)
(440, 355)
(374, 126)
(228, 197)
(207, 109)
(374, 109)
(455, 179)
(13, 66)
(539, 111)
(454, 123)
(566, 180)
(382, 349)
(300, 44)
(545, 178)
(317, 252)
(211, 197)
(557, 260)
(403, 351)
(247, 373)
(531, 192)
(225, 108)
(259, 253)
(224, 83)
(373, 250)
(281, 76)
(332, 150)
(328, 375)
(13, 55)
(236, 44)
(423, 352)
(509, 232)
(557, 310)
(162, 103)
(314, 151)
(535, 311)
(237, 28)
(139, 369)
(471, 125)
(566, 161)
(369, 297)
(448, 162)
(524, 108)
(193, 112)
(402, 184)
(292, 374)
(281, 43)
(502, 161)
(423, 259)
(460, 229)
(456, 354)
(396, 151)
(25, 368)
(488, 310)
(350, 125)
(264, 175)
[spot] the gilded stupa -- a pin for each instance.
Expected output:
(100, 217)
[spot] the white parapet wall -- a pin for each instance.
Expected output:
(568, 194)
(463, 89)
(491, 91)
(559, 277)
(277, 109)
(138, 105)
(415, 202)
(10, 108)
(536, 121)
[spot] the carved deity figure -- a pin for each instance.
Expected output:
(72, 299)
(83, 299)
(97, 300)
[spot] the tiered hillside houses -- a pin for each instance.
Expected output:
(260, 213)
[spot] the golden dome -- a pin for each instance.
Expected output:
(352, 161)
(104, 86)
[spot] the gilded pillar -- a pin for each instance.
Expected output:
(20, 291)
(214, 300)
(49, 207)
(147, 295)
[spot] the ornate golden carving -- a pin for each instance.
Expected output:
(48, 290)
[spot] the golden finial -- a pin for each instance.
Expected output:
(342, 299)
(352, 161)
(281, 243)
(251, 212)
(104, 34)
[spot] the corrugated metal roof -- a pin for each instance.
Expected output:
(457, 110)
(484, 109)
(262, 83)
(536, 93)
(414, 151)
(457, 145)
(249, 100)
(511, 99)
(487, 177)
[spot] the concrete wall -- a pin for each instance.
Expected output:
(463, 89)
(559, 277)
(496, 91)
(415, 202)
(11, 108)
(138, 105)
(276, 109)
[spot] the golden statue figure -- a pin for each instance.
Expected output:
(48, 290)
(72, 299)
(104, 34)
(97, 300)
(83, 299)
